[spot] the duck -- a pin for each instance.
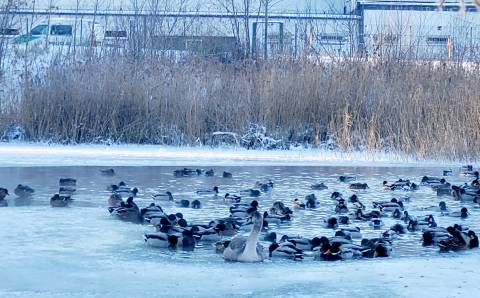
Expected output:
(68, 182)
(442, 207)
(380, 250)
(427, 180)
(232, 198)
(331, 223)
(161, 196)
(358, 186)
(107, 172)
(114, 200)
(318, 186)
(359, 215)
(335, 252)
(354, 232)
(356, 202)
(220, 246)
(376, 223)
(23, 191)
(161, 240)
(463, 213)
(347, 178)
(265, 187)
(3, 194)
(227, 174)
(210, 173)
(276, 219)
(311, 200)
(389, 207)
(297, 204)
(250, 192)
(285, 250)
(185, 172)
(213, 191)
(433, 237)
(336, 195)
(247, 249)
(60, 201)
(341, 207)
(183, 203)
(448, 172)
(185, 241)
(301, 242)
(279, 208)
(457, 241)
(196, 204)
(128, 214)
(151, 212)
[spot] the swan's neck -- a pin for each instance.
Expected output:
(250, 252)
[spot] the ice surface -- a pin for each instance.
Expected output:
(23, 154)
(81, 252)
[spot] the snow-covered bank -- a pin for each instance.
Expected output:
(150, 155)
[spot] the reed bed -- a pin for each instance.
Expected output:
(425, 109)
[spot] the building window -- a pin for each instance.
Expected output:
(437, 40)
(61, 30)
(331, 39)
(116, 34)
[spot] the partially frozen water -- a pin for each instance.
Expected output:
(82, 251)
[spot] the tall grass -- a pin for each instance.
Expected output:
(421, 108)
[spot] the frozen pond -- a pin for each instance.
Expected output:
(82, 251)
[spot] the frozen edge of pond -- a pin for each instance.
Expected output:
(27, 154)
(447, 276)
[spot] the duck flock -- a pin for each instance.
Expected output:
(252, 230)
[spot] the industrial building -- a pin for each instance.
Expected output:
(336, 28)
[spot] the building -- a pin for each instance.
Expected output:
(418, 29)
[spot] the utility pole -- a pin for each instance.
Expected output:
(265, 37)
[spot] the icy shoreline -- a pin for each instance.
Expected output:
(26, 154)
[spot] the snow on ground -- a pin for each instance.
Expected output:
(23, 154)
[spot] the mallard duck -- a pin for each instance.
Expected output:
(265, 187)
(311, 201)
(23, 191)
(3, 194)
(114, 200)
(161, 196)
(346, 178)
(250, 192)
(285, 250)
(247, 249)
(213, 191)
(319, 186)
(358, 186)
(231, 198)
(107, 172)
(210, 173)
(60, 201)
(227, 174)
(297, 204)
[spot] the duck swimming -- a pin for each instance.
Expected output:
(60, 201)
(358, 186)
(250, 192)
(23, 191)
(346, 178)
(213, 191)
(247, 249)
(318, 186)
(3, 194)
(227, 175)
(107, 172)
(160, 196)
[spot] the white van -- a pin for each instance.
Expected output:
(63, 31)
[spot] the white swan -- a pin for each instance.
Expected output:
(247, 249)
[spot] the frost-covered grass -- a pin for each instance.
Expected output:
(419, 108)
